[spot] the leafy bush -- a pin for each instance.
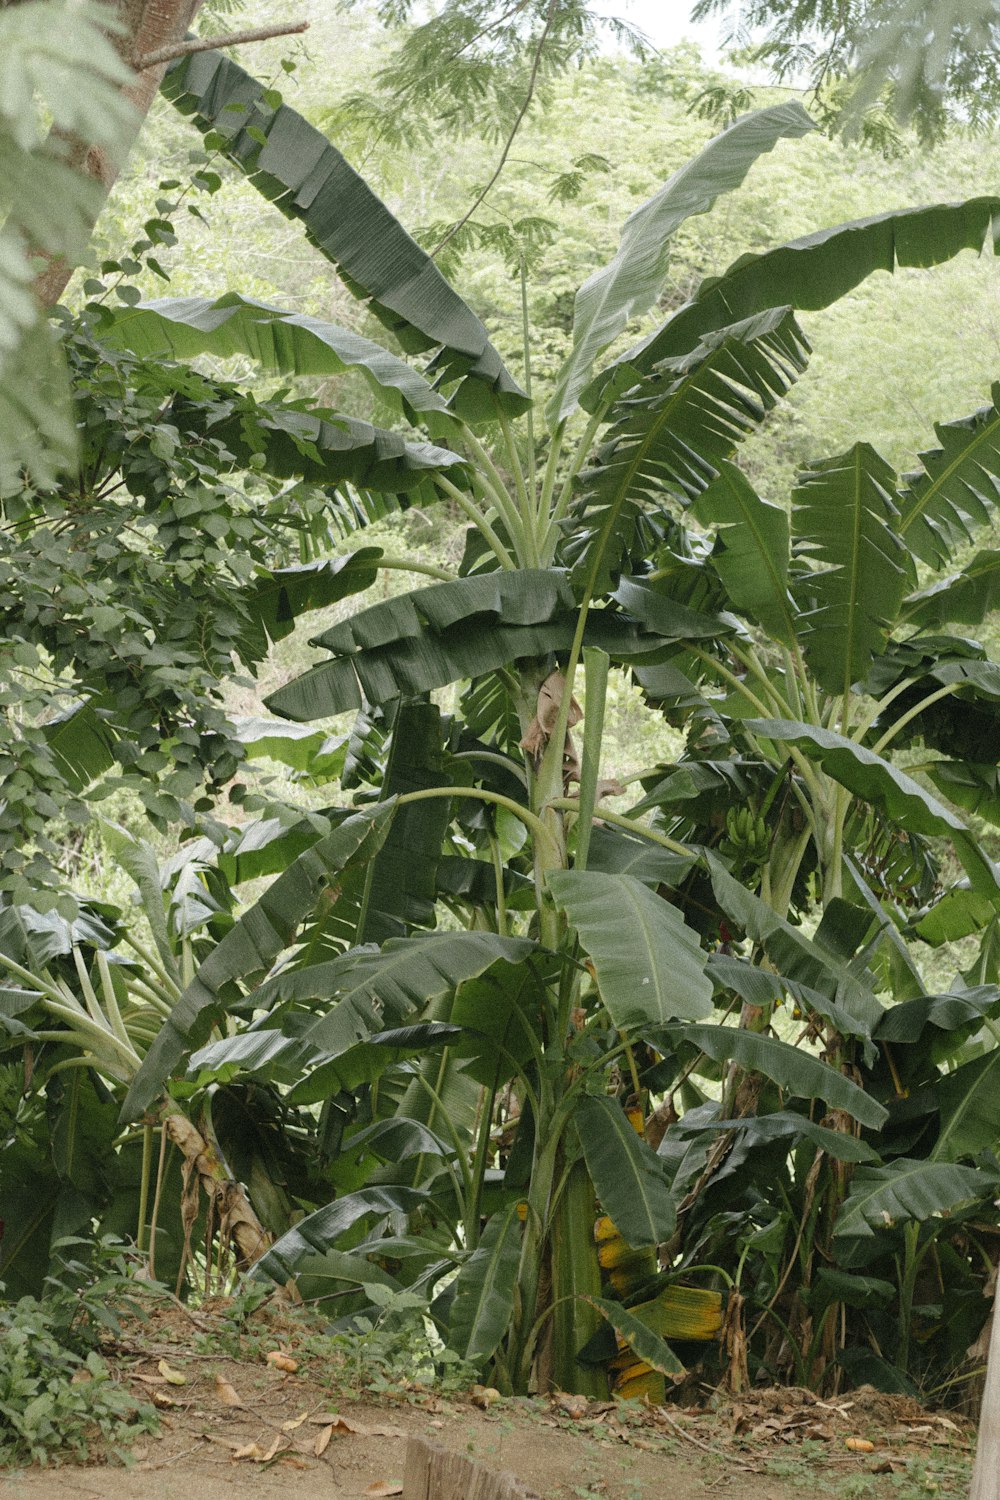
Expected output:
(57, 1395)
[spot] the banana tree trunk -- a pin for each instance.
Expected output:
(576, 1273)
(986, 1476)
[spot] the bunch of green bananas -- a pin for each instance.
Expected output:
(746, 837)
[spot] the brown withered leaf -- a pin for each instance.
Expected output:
(279, 1360)
(226, 1392)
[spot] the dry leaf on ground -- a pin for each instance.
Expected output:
(384, 1488)
(172, 1376)
(339, 1426)
(258, 1454)
(278, 1360)
(294, 1422)
(226, 1392)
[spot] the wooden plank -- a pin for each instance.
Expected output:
(435, 1473)
(986, 1479)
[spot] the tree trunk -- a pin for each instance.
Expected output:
(147, 26)
(986, 1477)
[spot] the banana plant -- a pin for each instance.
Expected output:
(611, 531)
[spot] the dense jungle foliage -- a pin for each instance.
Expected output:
(594, 932)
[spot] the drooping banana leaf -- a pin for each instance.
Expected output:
(760, 987)
(82, 738)
(629, 285)
(751, 550)
(400, 890)
(266, 1054)
(249, 949)
(305, 750)
(365, 991)
(807, 273)
(793, 955)
(319, 1231)
(293, 165)
(843, 510)
(784, 1124)
(467, 629)
(329, 449)
(957, 493)
(673, 432)
(907, 1191)
(636, 1334)
(627, 1174)
(649, 964)
(886, 787)
(280, 341)
(974, 787)
(793, 1070)
(965, 598)
(275, 600)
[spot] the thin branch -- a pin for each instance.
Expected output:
(212, 43)
(529, 95)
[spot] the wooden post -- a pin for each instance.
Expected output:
(434, 1473)
(986, 1477)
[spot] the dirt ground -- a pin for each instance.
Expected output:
(231, 1418)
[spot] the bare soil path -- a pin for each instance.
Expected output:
(230, 1420)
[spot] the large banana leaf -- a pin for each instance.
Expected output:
(785, 1125)
(794, 956)
(291, 163)
(965, 598)
(956, 914)
(967, 1100)
(468, 628)
(629, 285)
(759, 986)
(886, 787)
(649, 964)
(484, 1290)
(685, 419)
(907, 1190)
(842, 510)
(751, 550)
(365, 991)
(793, 1070)
(286, 343)
(250, 948)
(628, 1176)
(942, 507)
(808, 273)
